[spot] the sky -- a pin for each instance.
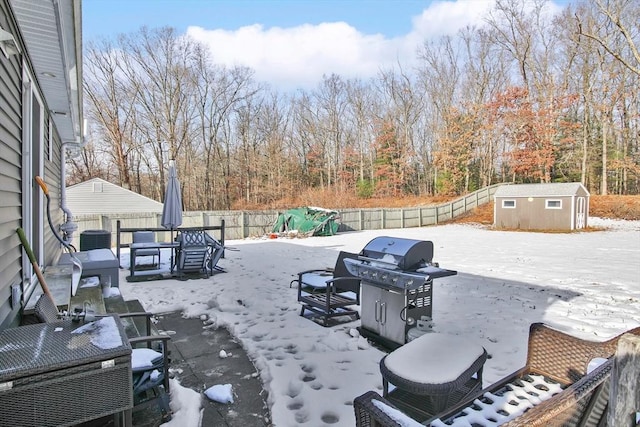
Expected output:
(290, 44)
(584, 283)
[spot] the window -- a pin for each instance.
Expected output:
(553, 204)
(508, 204)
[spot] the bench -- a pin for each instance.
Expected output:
(555, 387)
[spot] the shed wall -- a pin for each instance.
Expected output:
(531, 213)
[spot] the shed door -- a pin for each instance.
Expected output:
(580, 208)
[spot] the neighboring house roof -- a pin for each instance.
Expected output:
(97, 196)
(540, 190)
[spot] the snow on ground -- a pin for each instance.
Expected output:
(585, 283)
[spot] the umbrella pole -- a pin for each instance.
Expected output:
(173, 250)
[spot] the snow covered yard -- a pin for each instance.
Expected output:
(585, 283)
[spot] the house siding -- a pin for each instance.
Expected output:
(10, 174)
(113, 199)
(52, 177)
(11, 195)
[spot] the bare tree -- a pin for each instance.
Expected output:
(157, 64)
(617, 31)
(110, 104)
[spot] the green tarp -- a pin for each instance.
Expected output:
(307, 221)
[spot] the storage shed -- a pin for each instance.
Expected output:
(556, 206)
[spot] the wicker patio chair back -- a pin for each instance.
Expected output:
(562, 357)
(46, 310)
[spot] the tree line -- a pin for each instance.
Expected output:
(525, 97)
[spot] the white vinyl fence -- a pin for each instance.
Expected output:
(243, 224)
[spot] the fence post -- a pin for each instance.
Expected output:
(624, 394)
(118, 242)
(105, 223)
(222, 235)
(361, 219)
(242, 225)
(382, 219)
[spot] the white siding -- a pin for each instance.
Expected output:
(97, 196)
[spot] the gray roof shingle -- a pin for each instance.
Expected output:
(539, 190)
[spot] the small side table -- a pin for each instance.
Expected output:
(432, 373)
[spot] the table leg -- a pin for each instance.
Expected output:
(123, 419)
(132, 261)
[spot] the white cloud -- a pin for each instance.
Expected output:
(297, 57)
(447, 17)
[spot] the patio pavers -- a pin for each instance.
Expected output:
(195, 354)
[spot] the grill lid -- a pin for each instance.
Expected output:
(398, 253)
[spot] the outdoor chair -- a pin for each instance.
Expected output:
(149, 356)
(554, 388)
(215, 252)
(328, 292)
(146, 237)
(150, 368)
(193, 252)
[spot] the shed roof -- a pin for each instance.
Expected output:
(97, 196)
(540, 190)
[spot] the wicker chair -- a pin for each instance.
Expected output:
(325, 292)
(554, 356)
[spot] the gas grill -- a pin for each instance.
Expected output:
(397, 286)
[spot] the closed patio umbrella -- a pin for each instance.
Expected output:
(172, 209)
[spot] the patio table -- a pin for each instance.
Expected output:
(56, 374)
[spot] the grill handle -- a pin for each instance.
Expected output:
(391, 265)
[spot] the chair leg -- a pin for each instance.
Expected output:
(163, 405)
(123, 419)
(385, 388)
